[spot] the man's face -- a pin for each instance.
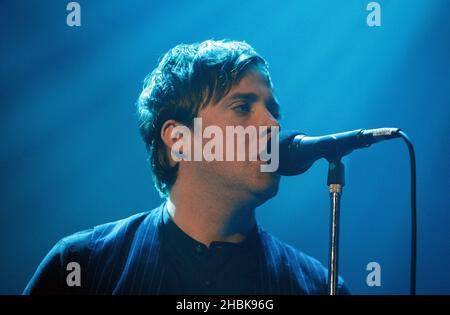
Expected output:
(248, 103)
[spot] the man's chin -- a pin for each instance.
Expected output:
(267, 188)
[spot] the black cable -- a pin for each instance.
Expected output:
(412, 157)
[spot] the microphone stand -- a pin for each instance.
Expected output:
(335, 182)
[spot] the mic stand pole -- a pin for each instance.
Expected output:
(335, 182)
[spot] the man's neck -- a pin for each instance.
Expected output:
(207, 217)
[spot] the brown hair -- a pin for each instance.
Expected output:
(187, 78)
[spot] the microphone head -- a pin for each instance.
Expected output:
(290, 162)
(298, 152)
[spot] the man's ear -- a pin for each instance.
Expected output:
(172, 134)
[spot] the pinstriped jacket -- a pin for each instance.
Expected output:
(124, 257)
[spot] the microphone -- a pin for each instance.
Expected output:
(298, 152)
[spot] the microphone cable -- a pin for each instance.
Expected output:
(412, 157)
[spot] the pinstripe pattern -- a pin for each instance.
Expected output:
(114, 261)
(282, 269)
(110, 246)
(124, 258)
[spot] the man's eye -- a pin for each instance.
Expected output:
(242, 109)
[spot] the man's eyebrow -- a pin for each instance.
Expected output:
(272, 104)
(252, 97)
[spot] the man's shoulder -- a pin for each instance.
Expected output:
(288, 255)
(106, 231)
(107, 235)
(86, 248)
(307, 270)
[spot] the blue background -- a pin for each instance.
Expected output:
(71, 155)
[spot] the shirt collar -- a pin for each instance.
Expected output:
(175, 236)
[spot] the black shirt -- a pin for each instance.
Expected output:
(193, 268)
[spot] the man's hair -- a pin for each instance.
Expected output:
(186, 79)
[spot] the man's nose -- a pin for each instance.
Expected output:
(268, 118)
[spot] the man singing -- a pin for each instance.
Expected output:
(204, 238)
